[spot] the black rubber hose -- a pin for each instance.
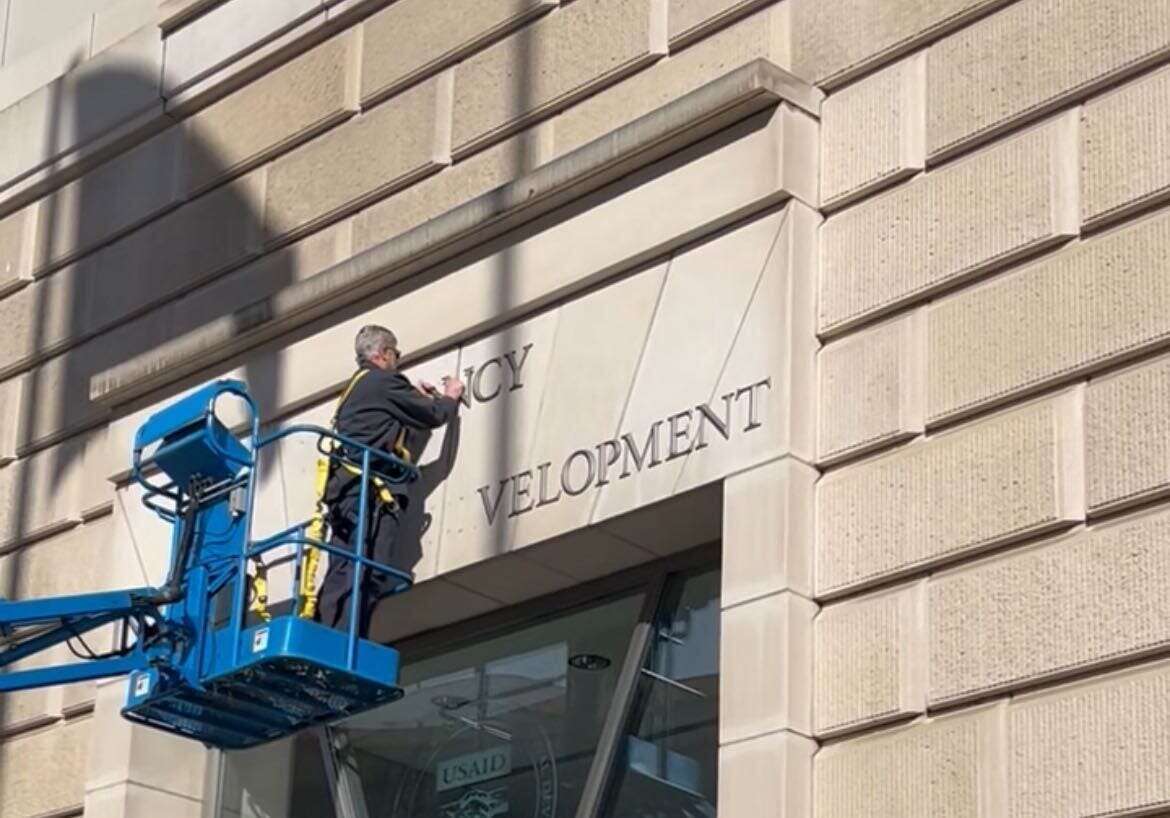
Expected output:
(172, 591)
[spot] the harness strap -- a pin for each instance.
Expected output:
(357, 376)
(316, 528)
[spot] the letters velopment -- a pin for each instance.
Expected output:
(674, 436)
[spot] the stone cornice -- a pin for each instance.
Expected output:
(706, 110)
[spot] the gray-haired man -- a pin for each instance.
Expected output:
(382, 409)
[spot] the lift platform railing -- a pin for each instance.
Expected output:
(391, 469)
(394, 470)
(201, 477)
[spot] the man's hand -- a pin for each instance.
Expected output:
(427, 388)
(453, 387)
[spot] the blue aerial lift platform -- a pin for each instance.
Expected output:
(201, 664)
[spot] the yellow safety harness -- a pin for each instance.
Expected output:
(258, 584)
(316, 529)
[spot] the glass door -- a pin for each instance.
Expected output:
(507, 727)
(667, 758)
(607, 709)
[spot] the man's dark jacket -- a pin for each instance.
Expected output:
(381, 405)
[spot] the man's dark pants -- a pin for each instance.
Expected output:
(382, 524)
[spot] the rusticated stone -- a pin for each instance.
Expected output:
(53, 386)
(110, 200)
(451, 187)
(363, 160)
(25, 710)
(786, 169)
(690, 19)
(949, 767)
(871, 389)
(35, 570)
(225, 33)
(1031, 56)
(116, 87)
(763, 35)
(836, 39)
(943, 227)
(1065, 606)
(1070, 313)
(43, 773)
(439, 34)
(1093, 748)
(184, 248)
(39, 494)
(578, 49)
(870, 660)
(42, 317)
(1125, 143)
(961, 491)
(874, 132)
(1127, 435)
(277, 111)
(10, 409)
(17, 247)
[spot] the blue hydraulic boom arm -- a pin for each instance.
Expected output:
(61, 619)
(202, 663)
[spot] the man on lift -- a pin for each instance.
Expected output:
(381, 409)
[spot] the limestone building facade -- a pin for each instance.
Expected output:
(816, 451)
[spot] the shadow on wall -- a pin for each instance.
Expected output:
(113, 292)
(154, 283)
(507, 271)
(416, 518)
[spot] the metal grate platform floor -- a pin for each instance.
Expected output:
(261, 703)
(292, 675)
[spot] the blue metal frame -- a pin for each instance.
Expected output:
(233, 685)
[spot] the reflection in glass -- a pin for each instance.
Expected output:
(667, 763)
(501, 729)
(286, 778)
(510, 726)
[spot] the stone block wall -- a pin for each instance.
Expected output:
(167, 162)
(992, 434)
(969, 510)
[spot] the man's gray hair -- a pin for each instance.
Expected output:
(372, 340)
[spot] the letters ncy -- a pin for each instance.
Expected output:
(486, 381)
